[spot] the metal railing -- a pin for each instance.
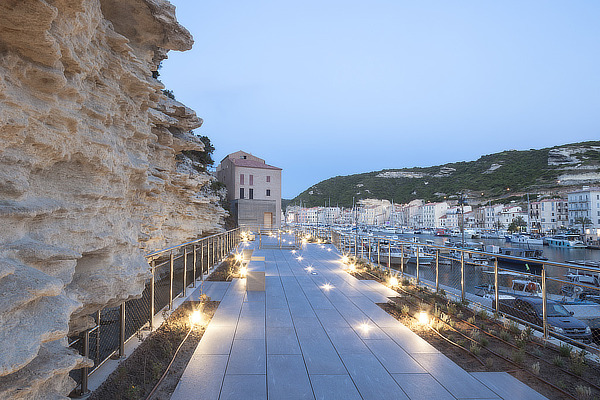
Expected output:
(490, 280)
(271, 231)
(172, 270)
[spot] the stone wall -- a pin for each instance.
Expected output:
(91, 176)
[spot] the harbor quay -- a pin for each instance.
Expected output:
(300, 327)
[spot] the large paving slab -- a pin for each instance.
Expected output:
(316, 332)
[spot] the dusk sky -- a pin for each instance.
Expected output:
(326, 88)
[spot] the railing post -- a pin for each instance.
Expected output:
(402, 259)
(152, 294)
(369, 249)
(201, 260)
(208, 265)
(85, 370)
(378, 248)
(544, 302)
(195, 260)
(390, 254)
(462, 275)
(184, 269)
(171, 282)
(437, 270)
(496, 289)
(418, 265)
(259, 239)
(122, 331)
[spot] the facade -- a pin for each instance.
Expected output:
(491, 216)
(253, 189)
(431, 214)
(585, 203)
(549, 215)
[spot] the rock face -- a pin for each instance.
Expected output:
(91, 175)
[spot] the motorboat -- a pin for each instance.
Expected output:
(565, 240)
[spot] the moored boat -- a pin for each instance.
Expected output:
(565, 240)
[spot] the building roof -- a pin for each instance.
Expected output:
(240, 162)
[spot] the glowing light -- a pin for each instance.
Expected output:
(345, 259)
(243, 271)
(423, 317)
(352, 267)
(328, 249)
(327, 287)
(300, 258)
(196, 318)
(309, 268)
(293, 251)
(365, 327)
(393, 281)
(238, 257)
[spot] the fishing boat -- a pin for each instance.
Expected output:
(565, 240)
(522, 260)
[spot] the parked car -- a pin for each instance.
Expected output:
(560, 320)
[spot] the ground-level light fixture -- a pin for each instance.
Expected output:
(352, 267)
(238, 257)
(196, 318)
(393, 281)
(365, 327)
(327, 287)
(309, 268)
(328, 249)
(423, 317)
(299, 258)
(243, 271)
(293, 251)
(345, 259)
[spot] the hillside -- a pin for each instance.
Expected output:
(493, 176)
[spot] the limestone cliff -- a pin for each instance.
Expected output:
(89, 179)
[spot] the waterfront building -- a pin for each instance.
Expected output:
(253, 189)
(585, 203)
(453, 216)
(491, 216)
(431, 214)
(509, 213)
(549, 215)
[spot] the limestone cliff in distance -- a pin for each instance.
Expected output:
(548, 171)
(91, 173)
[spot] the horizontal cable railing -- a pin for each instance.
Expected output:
(172, 270)
(528, 290)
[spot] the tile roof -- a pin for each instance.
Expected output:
(241, 162)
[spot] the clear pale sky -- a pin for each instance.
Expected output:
(326, 88)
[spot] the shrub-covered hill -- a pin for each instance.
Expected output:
(494, 175)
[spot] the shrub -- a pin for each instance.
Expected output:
(535, 368)
(558, 361)
(565, 350)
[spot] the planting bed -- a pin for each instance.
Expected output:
(477, 341)
(141, 371)
(226, 271)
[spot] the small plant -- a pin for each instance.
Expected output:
(518, 356)
(484, 342)
(471, 320)
(482, 314)
(535, 368)
(565, 350)
(476, 334)
(537, 352)
(475, 349)
(405, 282)
(464, 303)
(405, 309)
(513, 328)
(442, 293)
(527, 334)
(577, 367)
(489, 363)
(504, 335)
(583, 392)
(558, 361)
(452, 308)
(493, 332)
(460, 315)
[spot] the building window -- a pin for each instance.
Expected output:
(268, 178)
(250, 193)
(241, 179)
(251, 180)
(269, 194)
(241, 193)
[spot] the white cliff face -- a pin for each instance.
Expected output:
(89, 179)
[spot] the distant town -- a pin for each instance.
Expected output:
(577, 211)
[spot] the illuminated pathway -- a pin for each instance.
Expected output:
(319, 334)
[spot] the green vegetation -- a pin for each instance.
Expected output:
(491, 177)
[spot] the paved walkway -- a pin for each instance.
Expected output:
(303, 340)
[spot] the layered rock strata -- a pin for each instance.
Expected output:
(91, 175)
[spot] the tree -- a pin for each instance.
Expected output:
(517, 224)
(583, 221)
(498, 225)
(202, 158)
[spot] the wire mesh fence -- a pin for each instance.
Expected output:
(173, 270)
(558, 299)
